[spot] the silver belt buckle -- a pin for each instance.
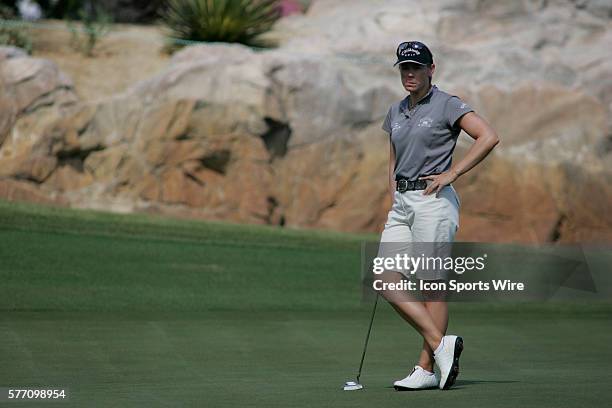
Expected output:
(402, 185)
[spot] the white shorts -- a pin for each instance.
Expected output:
(420, 225)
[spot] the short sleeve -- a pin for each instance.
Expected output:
(387, 123)
(455, 109)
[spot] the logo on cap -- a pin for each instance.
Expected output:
(409, 51)
(413, 51)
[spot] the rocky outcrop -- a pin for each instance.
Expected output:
(292, 136)
(33, 94)
(245, 155)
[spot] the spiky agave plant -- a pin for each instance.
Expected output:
(240, 21)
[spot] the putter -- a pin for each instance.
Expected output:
(355, 385)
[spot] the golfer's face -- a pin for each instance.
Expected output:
(414, 76)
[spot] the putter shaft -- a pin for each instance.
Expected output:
(365, 346)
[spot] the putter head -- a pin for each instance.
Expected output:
(352, 386)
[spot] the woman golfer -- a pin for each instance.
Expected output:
(423, 129)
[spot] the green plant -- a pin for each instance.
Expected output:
(95, 23)
(236, 21)
(13, 35)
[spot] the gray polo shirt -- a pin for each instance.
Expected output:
(425, 136)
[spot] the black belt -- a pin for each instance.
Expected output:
(408, 185)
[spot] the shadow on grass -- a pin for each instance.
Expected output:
(460, 383)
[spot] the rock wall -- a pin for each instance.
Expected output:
(292, 136)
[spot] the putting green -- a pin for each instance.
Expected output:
(148, 311)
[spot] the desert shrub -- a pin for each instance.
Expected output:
(234, 21)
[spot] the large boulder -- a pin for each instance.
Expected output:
(292, 136)
(34, 93)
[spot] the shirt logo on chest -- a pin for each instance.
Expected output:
(425, 122)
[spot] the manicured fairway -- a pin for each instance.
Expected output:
(267, 359)
(145, 311)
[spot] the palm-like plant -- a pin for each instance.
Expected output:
(240, 21)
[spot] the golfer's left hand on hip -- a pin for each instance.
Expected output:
(439, 181)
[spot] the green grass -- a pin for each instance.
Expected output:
(62, 260)
(149, 311)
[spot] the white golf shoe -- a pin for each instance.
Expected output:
(447, 358)
(418, 379)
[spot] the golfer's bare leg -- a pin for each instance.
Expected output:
(439, 313)
(414, 312)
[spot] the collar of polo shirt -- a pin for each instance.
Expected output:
(406, 101)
